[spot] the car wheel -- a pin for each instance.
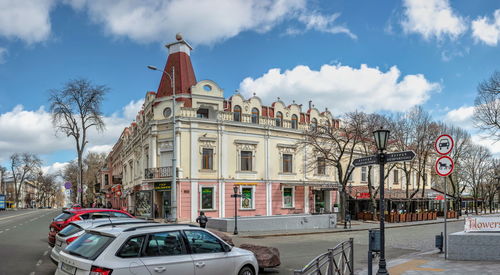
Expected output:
(246, 270)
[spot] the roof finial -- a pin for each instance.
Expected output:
(178, 36)
(236, 91)
(278, 98)
(293, 101)
(254, 94)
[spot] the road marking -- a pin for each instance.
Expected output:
(32, 273)
(7, 229)
(1, 232)
(412, 265)
(15, 216)
(39, 262)
(45, 253)
(14, 226)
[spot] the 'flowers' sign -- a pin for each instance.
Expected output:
(480, 224)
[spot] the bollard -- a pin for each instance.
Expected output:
(439, 242)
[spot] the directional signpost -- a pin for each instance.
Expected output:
(365, 161)
(400, 156)
(444, 166)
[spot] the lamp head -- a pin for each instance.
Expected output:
(381, 136)
(152, 68)
(235, 189)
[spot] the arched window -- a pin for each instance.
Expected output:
(314, 124)
(279, 119)
(255, 115)
(294, 122)
(237, 113)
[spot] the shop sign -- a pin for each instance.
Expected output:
(162, 186)
(440, 198)
(482, 224)
(364, 195)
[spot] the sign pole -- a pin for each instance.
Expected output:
(445, 244)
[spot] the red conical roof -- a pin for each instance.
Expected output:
(178, 58)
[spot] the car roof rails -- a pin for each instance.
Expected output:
(158, 225)
(127, 222)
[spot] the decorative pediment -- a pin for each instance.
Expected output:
(166, 146)
(287, 148)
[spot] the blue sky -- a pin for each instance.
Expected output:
(375, 56)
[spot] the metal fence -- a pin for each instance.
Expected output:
(337, 261)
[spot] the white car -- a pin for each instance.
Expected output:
(77, 228)
(172, 249)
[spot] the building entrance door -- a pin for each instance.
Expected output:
(167, 205)
(319, 201)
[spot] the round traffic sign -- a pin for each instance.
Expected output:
(444, 166)
(444, 144)
(67, 185)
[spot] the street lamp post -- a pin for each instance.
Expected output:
(236, 196)
(381, 136)
(173, 195)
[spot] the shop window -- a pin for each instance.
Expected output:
(246, 160)
(287, 163)
(363, 174)
(237, 113)
(247, 198)
(396, 176)
(207, 198)
(255, 115)
(288, 197)
(279, 119)
(321, 166)
(202, 113)
(207, 159)
(350, 175)
(294, 122)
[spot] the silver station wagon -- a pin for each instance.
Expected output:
(154, 249)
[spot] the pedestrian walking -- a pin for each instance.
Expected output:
(348, 218)
(109, 205)
(157, 213)
(202, 219)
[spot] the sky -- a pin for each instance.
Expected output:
(372, 56)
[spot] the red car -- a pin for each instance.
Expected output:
(72, 214)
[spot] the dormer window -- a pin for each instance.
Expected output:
(255, 115)
(279, 119)
(314, 124)
(294, 121)
(237, 113)
(202, 113)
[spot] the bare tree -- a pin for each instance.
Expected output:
(75, 109)
(70, 174)
(3, 188)
(93, 164)
(487, 106)
(24, 167)
(476, 167)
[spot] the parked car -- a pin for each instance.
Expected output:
(154, 248)
(70, 215)
(77, 228)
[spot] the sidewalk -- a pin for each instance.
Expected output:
(434, 263)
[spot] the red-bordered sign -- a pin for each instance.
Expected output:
(444, 166)
(444, 144)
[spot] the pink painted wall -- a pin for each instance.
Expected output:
(184, 193)
(260, 201)
(277, 200)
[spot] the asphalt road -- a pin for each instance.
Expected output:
(297, 251)
(23, 241)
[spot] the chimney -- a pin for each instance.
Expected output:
(310, 104)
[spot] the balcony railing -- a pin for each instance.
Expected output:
(158, 173)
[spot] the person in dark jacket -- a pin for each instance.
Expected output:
(109, 205)
(202, 219)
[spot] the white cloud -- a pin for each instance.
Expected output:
(55, 168)
(343, 88)
(132, 108)
(201, 21)
(491, 144)
(3, 53)
(461, 117)
(487, 30)
(28, 20)
(101, 148)
(432, 18)
(322, 23)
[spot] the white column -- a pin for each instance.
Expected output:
(194, 200)
(154, 151)
(222, 204)
(306, 199)
(269, 201)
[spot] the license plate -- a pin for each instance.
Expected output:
(67, 268)
(58, 242)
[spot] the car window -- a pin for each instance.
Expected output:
(119, 215)
(89, 245)
(165, 244)
(70, 230)
(203, 242)
(132, 247)
(63, 216)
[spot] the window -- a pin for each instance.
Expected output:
(247, 198)
(202, 113)
(363, 174)
(350, 175)
(203, 242)
(294, 122)
(117, 214)
(255, 115)
(167, 112)
(106, 179)
(132, 248)
(70, 230)
(287, 163)
(237, 113)
(207, 198)
(207, 159)
(89, 246)
(314, 124)
(246, 160)
(279, 119)
(321, 166)
(396, 176)
(425, 180)
(288, 197)
(164, 244)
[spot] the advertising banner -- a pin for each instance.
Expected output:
(482, 224)
(2, 202)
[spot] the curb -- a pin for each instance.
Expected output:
(336, 231)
